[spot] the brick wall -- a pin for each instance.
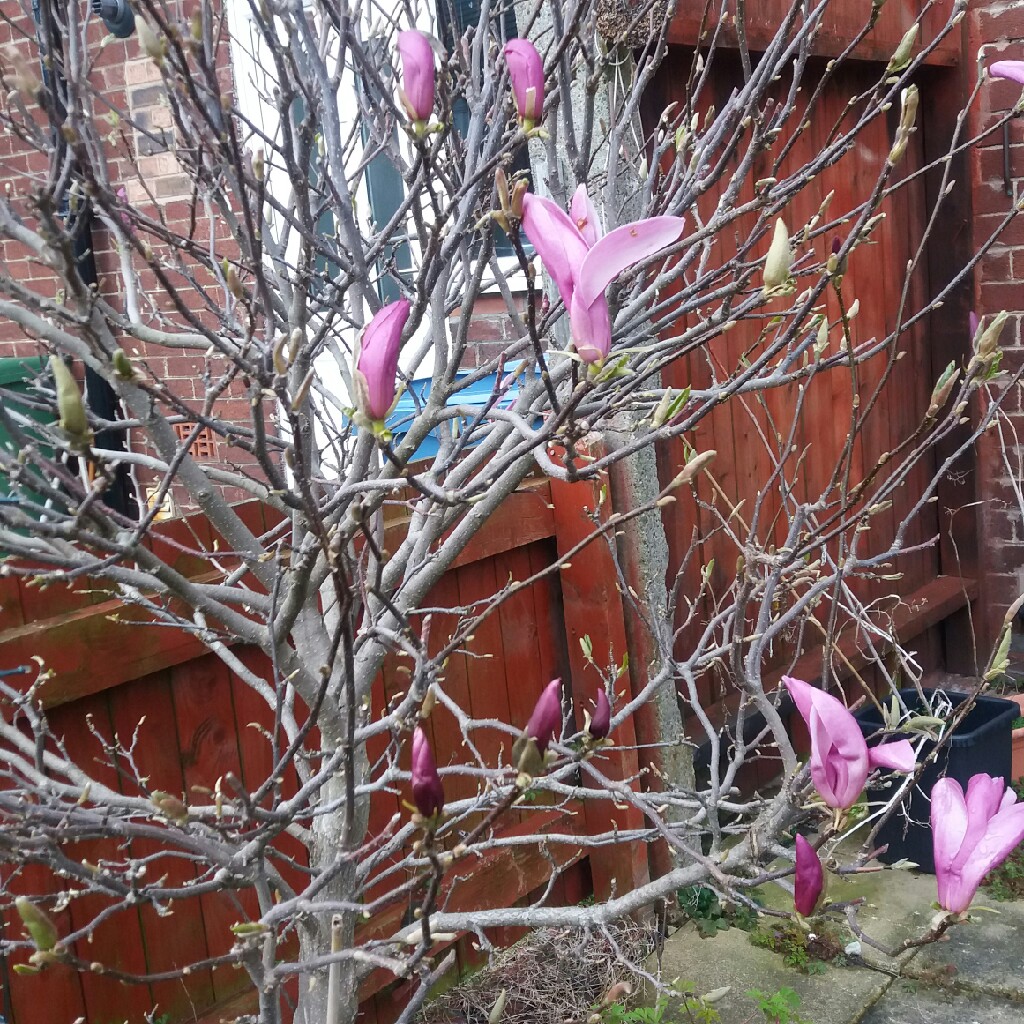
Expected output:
(995, 31)
(146, 174)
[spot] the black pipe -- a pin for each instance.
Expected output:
(100, 396)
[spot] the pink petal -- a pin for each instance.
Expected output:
(801, 694)
(585, 216)
(591, 328)
(556, 239)
(1003, 835)
(1011, 69)
(621, 248)
(830, 777)
(984, 794)
(898, 755)
(949, 827)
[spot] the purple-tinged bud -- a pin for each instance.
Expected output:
(417, 92)
(427, 791)
(526, 70)
(600, 724)
(808, 880)
(377, 364)
(546, 721)
(973, 323)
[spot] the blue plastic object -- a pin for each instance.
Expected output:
(982, 743)
(476, 395)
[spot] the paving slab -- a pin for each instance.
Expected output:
(908, 1002)
(897, 906)
(986, 953)
(835, 997)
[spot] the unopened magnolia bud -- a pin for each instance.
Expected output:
(716, 995)
(501, 183)
(259, 165)
(694, 466)
(279, 357)
(821, 339)
(909, 99)
(942, 388)
(122, 365)
(153, 44)
(42, 931)
(169, 806)
(70, 406)
(499, 1007)
(660, 414)
(989, 340)
(779, 259)
(294, 341)
(519, 190)
(904, 51)
(232, 280)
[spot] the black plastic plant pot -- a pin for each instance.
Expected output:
(981, 744)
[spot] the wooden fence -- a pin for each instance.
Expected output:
(108, 675)
(753, 434)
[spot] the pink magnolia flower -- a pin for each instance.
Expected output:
(808, 879)
(546, 721)
(417, 92)
(526, 70)
(427, 791)
(378, 360)
(971, 836)
(840, 758)
(1011, 69)
(582, 270)
(600, 723)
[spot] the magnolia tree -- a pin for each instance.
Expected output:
(617, 244)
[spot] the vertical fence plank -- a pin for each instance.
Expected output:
(201, 690)
(171, 941)
(593, 607)
(116, 943)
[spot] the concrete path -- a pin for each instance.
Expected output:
(975, 976)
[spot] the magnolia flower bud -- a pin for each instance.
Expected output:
(153, 43)
(427, 791)
(808, 879)
(41, 929)
(904, 51)
(546, 721)
(779, 259)
(74, 420)
(600, 724)
(498, 1010)
(942, 388)
(377, 364)
(418, 83)
(526, 70)
(169, 806)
